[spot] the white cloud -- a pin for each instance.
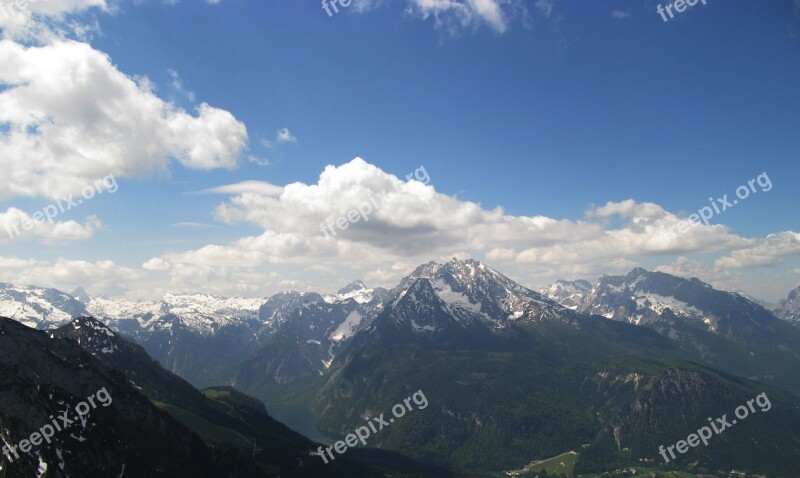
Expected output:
(259, 160)
(285, 136)
(260, 188)
(414, 223)
(281, 136)
(192, 225)
(17, 18)
(767, 252)
(66, 275)
(366, 5)
(411, 223)
(16, 224)
(156, 264)
(71, 118)
(454, 14)
(620, 14)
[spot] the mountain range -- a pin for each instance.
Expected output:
(612, 370)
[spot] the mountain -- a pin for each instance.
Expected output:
(201, 313)
(722, 329)
(789, 309)
(81, 296)
(570, 294)
(204, 337)
(473, 293)
(306, 331)
(221, 416)
(512, 376)
(43, 376)
(197, 336)
(38, 307)
(359, 292)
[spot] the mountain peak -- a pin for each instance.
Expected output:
(473, 293)
(579, 284)
(789, 308)
(355, 286)
(81, 296)
(567, 293)
(93, 335)
(91, 324)
(39, 307)
(638, 271)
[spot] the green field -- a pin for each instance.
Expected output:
(563, 464)
(643, 472)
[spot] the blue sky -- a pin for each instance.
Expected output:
(595, 126)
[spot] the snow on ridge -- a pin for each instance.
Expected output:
(32, 306)
(455, 300)
(659, 303)
(346, 329)
(200, 312)
(362, 296)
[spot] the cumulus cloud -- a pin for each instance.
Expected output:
(156, 264)
(64, 274)
(71, 117)
(16, 224)
(765, 253)
(21, 19)
(409, 222)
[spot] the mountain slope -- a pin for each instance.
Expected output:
(553, 388)
(43, 376)
(723, 329)
(789, 309)
(570, 294)
(38, 307)
(507, 388)
(222, 416)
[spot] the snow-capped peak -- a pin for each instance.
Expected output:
(38, 307)
(202, 313)
(567, 293)
(356, 291)
(81, 296)
(354, 286)
(473, 292)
